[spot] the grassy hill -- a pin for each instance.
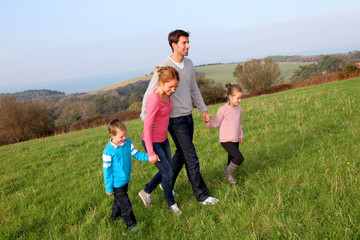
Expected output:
(224, 72)
(220, 73)
(122, 84)
(299, 179)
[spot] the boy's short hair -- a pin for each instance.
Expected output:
(116, 125)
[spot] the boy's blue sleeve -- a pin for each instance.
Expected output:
(108, 174)
(137, 154)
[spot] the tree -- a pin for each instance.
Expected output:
(257, 77)
(23, 120)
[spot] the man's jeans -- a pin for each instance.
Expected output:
(182, 130)
(122, 206)
(165, 174)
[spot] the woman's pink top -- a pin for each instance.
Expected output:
(158, 112)
(229, 120)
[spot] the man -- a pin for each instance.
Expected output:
(181, 125)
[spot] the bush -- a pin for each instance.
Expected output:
(23, 120)
(211, 91)
(257, 77)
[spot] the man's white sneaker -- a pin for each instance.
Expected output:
(145, 197)
(175, 209)
(209, 201)
(173, 192)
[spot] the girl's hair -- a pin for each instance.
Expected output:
(165, 74)
(115, 126)
(232, 88)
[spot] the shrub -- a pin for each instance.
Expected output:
(23, 120)
(211, 91)
(257, 77)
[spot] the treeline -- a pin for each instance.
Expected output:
(31, 94)
(354, 55)
(22, 120)
(262, 76)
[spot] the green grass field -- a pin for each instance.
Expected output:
(224, 72)
(299, 179)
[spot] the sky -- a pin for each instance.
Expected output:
(83, 45)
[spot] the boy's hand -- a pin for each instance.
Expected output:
(241, 140)
(154, 159)
(109, 194)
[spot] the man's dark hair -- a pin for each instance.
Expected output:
(175, 35)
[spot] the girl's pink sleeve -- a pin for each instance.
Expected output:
(151, 109)
(218, 119)
(241, 131)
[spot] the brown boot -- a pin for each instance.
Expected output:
(229, 171)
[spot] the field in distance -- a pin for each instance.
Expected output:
(220, 73)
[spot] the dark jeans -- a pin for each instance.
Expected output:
(234, 155)
(165, 174)
(122, 206)
(182, 130)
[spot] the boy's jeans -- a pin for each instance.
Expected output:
(122, 206)
(182, 130)
(165, 174)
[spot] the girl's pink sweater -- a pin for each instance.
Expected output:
(158, 112)
(229, 120)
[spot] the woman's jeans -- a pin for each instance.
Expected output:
(165, 174)
(182, 130)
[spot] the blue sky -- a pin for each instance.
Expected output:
(56, 44)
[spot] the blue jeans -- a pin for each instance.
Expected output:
(122, 206)
(165, 174)
(182, 130)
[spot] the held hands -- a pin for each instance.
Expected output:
(206, 116)
(154, 159)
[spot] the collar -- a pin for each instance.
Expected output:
(114, 145)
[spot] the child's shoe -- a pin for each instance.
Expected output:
(229, 171)
(145, 197)
(175, 209)
(133, 229)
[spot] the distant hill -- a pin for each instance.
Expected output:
(30, 94)
(121, 84)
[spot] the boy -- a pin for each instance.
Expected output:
(117, 171)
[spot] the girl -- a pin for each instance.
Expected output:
(155, 141)
(228, 117)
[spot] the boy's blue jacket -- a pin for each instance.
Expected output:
(117, 164)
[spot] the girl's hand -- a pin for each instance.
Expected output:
(109, 194)
(241, 140)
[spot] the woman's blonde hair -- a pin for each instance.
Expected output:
(165, 74)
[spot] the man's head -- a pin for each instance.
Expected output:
(174, 37)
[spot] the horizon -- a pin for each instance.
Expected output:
(63, 43)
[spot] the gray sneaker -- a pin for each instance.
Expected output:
(145, 197)
(209, 201)
(175, 209)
